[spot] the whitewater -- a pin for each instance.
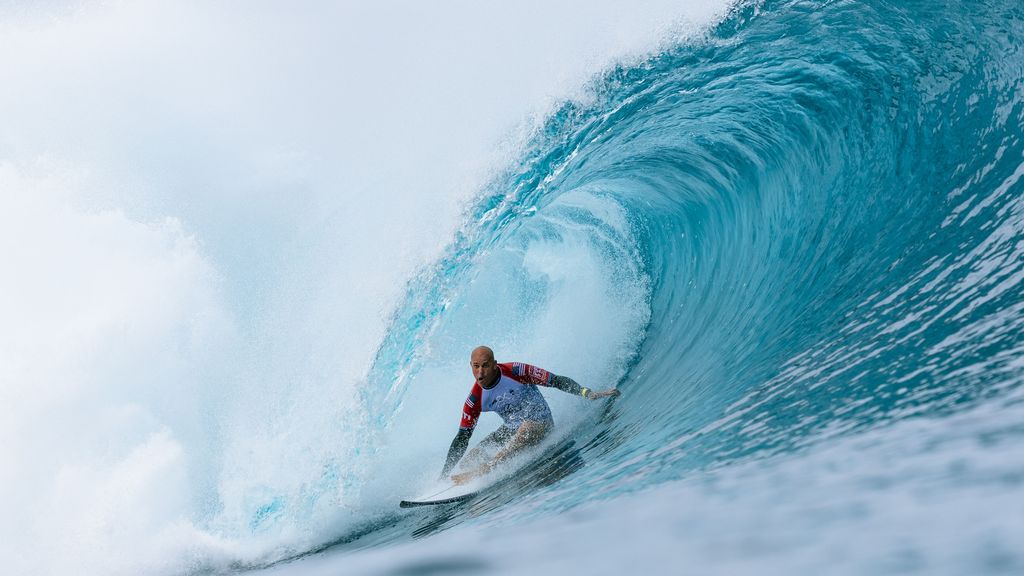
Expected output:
(247, 249)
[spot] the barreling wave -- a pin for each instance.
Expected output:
(805, 224)
(808, 222)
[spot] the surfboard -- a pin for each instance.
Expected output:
(441, 497)
(550, 465)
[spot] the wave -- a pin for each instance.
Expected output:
(802, 227)
(806, 224)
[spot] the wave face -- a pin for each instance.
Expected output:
(826, 201)
(806, 227)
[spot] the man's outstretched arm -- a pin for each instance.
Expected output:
(456, 451)
(566, 384)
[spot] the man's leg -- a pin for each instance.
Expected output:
(482, 451)
(529, 434)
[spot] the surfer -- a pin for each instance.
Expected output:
(511, 391)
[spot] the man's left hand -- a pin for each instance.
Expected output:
(595, 394)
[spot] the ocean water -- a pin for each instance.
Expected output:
(247, 252)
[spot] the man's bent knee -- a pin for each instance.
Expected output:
(533, 432)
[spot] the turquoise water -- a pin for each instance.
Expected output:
(815, 214)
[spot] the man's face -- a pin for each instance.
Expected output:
(485, 369)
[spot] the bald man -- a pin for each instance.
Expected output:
(511, 391)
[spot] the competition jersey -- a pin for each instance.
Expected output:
(514, 397)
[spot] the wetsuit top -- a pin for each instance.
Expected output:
(514, 397)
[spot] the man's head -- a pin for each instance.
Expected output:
(485, 369)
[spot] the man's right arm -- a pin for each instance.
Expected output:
(457, 450)
(470, 414)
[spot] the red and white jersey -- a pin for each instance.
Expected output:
(514, 397)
